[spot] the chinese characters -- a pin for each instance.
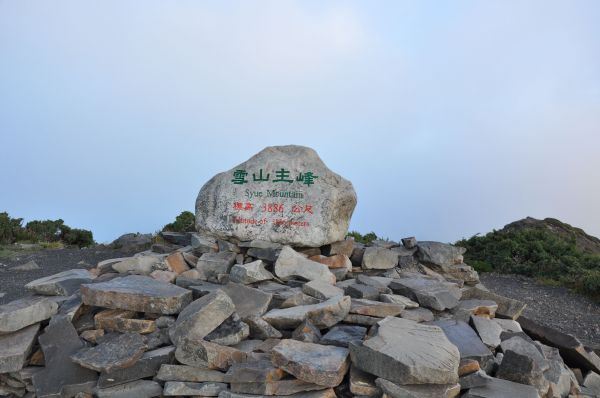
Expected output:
(282, 175)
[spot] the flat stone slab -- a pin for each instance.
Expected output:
(24, 312)
(147, 366)
(62, 284)
(430, 293)
(137, 293)
(202, 316)
(342, 335)
(116, 320)
(249, 273)
(61, 376)
(488, 330)
(169, 372)
(313, 363)
(507, 307)
(15, 347)
(379, 258)
(290, 264)
(137, 389)
(114, 352)
(248, 301)
(398, 299)
(180, 388)
(375, 308)
(466, 340)
(407, 352)
(322, 315)
(498, 388)
(326, 393)
(392, 390)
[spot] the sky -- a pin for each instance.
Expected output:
(451, 118)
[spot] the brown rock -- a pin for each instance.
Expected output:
(467, 366)
(92, 335)
(123, 321)
(164, 276)
(375, 308)
(114, 352)
(177, 263)
(201, 353)
(335, 261)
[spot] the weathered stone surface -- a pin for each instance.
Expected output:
(508, 325)
(204, 354)
(336, 261)
(189, 373)
(398, 299)
(358, 290)
(362, 383)
(314, 363)
(407, 352)
(592, 382)
(317, 203)
(61, 376)
(249, 273)
(117, 320)
(468, 366)
(393, 390)
(164, 276)
(287, 387)
(322, 315)
(92, 335)
(230, 332)
(179, 388)
(439, 254)
(524, 363)
(28, 266)
(342, 335)
(133, 242)
(139, 265)
(248, 301)
(562, 381)
(498, 388)
(358, 319)
(137, 389)
(261, 329)
(24, 312)
(202, 316)
(15, 347)
(375, 308)
(114, 352)
(62, 284)
(379, 258)
(466, 340)
(261, 371)
(291, 264)
(210, 265)
(469, 307)
(488, 330)
(507, 307)
(321, 290)
(430, 293)
(410, 242)
(343, 247)
(327, 393)
(307, 333)
(176, 262)
(137, 293)
(146, 366)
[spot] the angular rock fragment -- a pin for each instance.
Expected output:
(230, 332)
(398, 299)
(407, 352)
(417, 314)
(137, 389)
(146, 366)
(189, 373)
(375, 308)
(287, 387)
(138, 265)
(261, 371)
(392, 390)
(379, 258)
(439, 254)
(321, 290)
(358, 319)
(24, 312)
(62, 284)
(137, 293)
(498, 388)
(247, 300)
(201, 353)
(210, 265)
(15, 347)
(250, 273)
(466, 340)
(343, 247)
(358, 290)
(322, 315)
(176, 263)
(430, 293)
(114, 352)
(61, 376)
(164, 276)
(336, 261)
(179, 388)
(488, 330)
(326, 393)
(363, 383)
(469, 307)
(307, 333)
(261, 329)
(313, 363)
(507, 307)
(342, 335)
(201, 317)
(291, 264)
(117, 320)
(468, 366)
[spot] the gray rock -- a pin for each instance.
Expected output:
(375, 308)
(430, 293)
(393, 390)
(469, 307)
(260, 371)
(562, 381)
(137, 389)
(177, 238)
(343, 247)
(327, 393)
(138, 265)
(291, 264)
(321, 290)
(379, 258)
(62, 284)
(322, 315)
(201, 317)
(407, 352)
(313, 363)
(249, 273)
(342, 335)
(307, 333)
(498, 388)
(398, 299)
(358, 290)
(146, 366)
(488, 330)
(62, 377)
(508, 325)
(410, 242)
(137, 293)
(592, 382)
(466, 340)
(523, 362)
(507, 307)
(28, 266)
(24, 312)
(203, 243)
(230, 332)
(365, 320)
(248, 301)
(204, 354)
(210, 265)
(417, 314)
(15, 348)
(179, 388)
(189, 373)
(363, 383)
(261, 329)
(287, 387)
(315, 203)
(113, 352)
(439, 254)
(133, 242)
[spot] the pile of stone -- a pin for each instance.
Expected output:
(211, 314)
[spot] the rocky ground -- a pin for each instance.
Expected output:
(553, 306)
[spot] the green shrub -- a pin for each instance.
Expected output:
(47, 231)
(365, 239)
(185, 222)
(11, 229)
(78, 237)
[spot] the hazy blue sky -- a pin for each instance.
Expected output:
(450, 118)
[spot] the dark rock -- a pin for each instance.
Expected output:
(307, 333)
(116, 351)
(248, 301)
(147, 366)
(430, 293)
(137, 389)
(15, 348)
(342, 335)
(230, 332)
(177, 238)
(189, 373)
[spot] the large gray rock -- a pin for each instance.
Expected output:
(322, 315)
(24, 312)
(248, 301)
(137, 293)
(379, 258)
(169, 372)
(230, 332)
(137, 389)
(202, 316)
(250, 273)
(210, 265)
(62, 284)
(430, 293)
(283, 194)
(114, 352)
(342, 335)
(466, 340)
(488, 330)
(291, 264)
(407, 352)
(393, 390)
(314, 363)
(507, 307)
(498, 388)
(61, 377)
(15, 347)
(439, 254)
(523, 362)
(146, 366)
(133, 242)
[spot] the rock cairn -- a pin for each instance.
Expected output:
(210, 315)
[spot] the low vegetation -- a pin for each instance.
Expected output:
(49, 233)
(184, 222)
(540, 253)
(365, 239)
